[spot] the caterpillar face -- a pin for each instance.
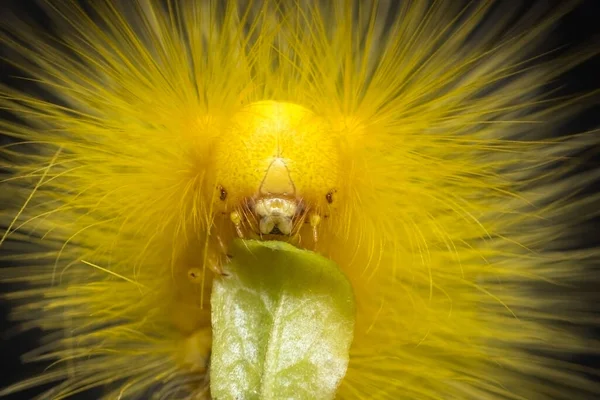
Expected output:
(277, 170)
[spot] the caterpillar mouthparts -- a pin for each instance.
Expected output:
(275, 206)
(269, 215)
(276, 215)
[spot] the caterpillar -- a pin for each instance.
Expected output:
(421, 145)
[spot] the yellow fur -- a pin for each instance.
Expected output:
(450, 208)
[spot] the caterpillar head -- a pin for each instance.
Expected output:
(277, 171)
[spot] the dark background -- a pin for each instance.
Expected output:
(581, 26)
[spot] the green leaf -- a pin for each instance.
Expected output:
(283, 322)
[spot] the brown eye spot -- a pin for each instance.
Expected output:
(222, 193)
(329, 196)
(194, 274)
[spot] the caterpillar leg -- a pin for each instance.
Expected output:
(195, 350)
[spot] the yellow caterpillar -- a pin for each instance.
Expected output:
(414, 143)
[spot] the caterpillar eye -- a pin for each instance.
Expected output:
(222, 193)
(194, 274)
(329, 196)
